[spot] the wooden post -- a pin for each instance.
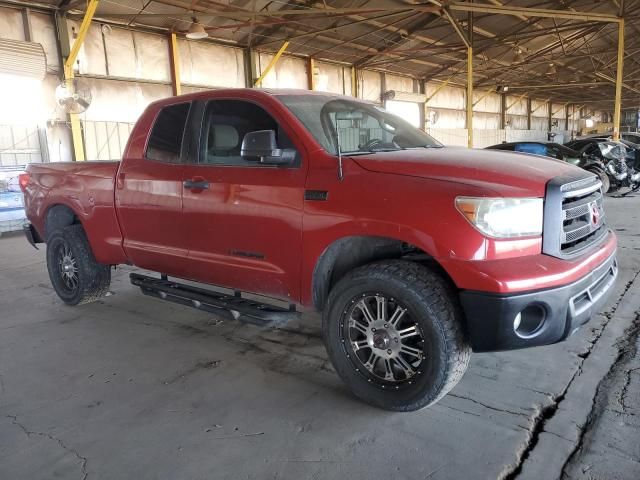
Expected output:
(174, 63)
(619, 69)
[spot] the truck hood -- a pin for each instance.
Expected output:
(505, 173)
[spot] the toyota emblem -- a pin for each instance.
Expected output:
(595, 214)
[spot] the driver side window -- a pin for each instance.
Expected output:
(225, 124)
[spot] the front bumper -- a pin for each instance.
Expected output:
(490, 317)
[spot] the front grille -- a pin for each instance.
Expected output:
(574, 216)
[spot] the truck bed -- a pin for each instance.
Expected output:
(87, 188)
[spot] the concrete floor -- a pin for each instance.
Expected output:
(132, 387)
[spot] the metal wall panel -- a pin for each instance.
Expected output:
(517, 122)
(289, 72)
(486, 102)
(212, 65)
(398, 83)
(152, 57)
(121, 54)
(121, 101)
(105, 140)
(11, 24)
(19, 145)
(517, 105)
(446, 97)
(483, 120)
(91, 57)
(44, 33)
(370, 85)
(332, 78)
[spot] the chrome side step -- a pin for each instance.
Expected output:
(242, 309)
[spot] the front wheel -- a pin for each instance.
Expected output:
(75, 275)
(394, 333)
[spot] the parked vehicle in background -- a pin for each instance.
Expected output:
(559, 152)
(631, 137)
(415, 253)
(622, 163)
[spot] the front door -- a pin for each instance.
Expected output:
(243, 218)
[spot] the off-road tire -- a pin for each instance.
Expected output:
(433, 305)
(93, 278)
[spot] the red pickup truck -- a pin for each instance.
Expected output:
(416, 254)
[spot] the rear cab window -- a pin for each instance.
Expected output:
(167, 135)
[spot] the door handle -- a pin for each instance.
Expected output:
(196, 184)
(120, 181)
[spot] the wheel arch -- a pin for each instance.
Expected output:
(346, 253)
(59, 215)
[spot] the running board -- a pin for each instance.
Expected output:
(240, 308)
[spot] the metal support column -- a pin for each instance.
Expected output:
(250, 67)
(74, 118)
(354, 81)
(174, 65)
(528, 113)
(470, 82)
(619, 69)
(26, 23)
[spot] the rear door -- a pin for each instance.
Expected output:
(149, 196)
(243, 218)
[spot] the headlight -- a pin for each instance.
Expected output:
(503, 217)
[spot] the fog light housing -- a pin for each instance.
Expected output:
(529, 321)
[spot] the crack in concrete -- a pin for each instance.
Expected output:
(501, 410)
(626, 351)
(544, 414)
(29, 433)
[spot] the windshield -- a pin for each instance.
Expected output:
(357, 126)
(612, 151)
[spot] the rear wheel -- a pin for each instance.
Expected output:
(75, 275)
(394, 333)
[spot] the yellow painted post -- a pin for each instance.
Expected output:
(272, 64)
(354, 81)
(619, 69)
(74, 118)
(174, 63)
(311, 74)
(470, 97)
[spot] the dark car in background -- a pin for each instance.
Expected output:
(560, 152)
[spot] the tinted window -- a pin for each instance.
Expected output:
(165, 141)
(226, 122)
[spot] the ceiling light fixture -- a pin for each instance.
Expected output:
(552, 70)
(196, 30)
(519, 57)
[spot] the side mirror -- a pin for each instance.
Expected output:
(262, 145)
